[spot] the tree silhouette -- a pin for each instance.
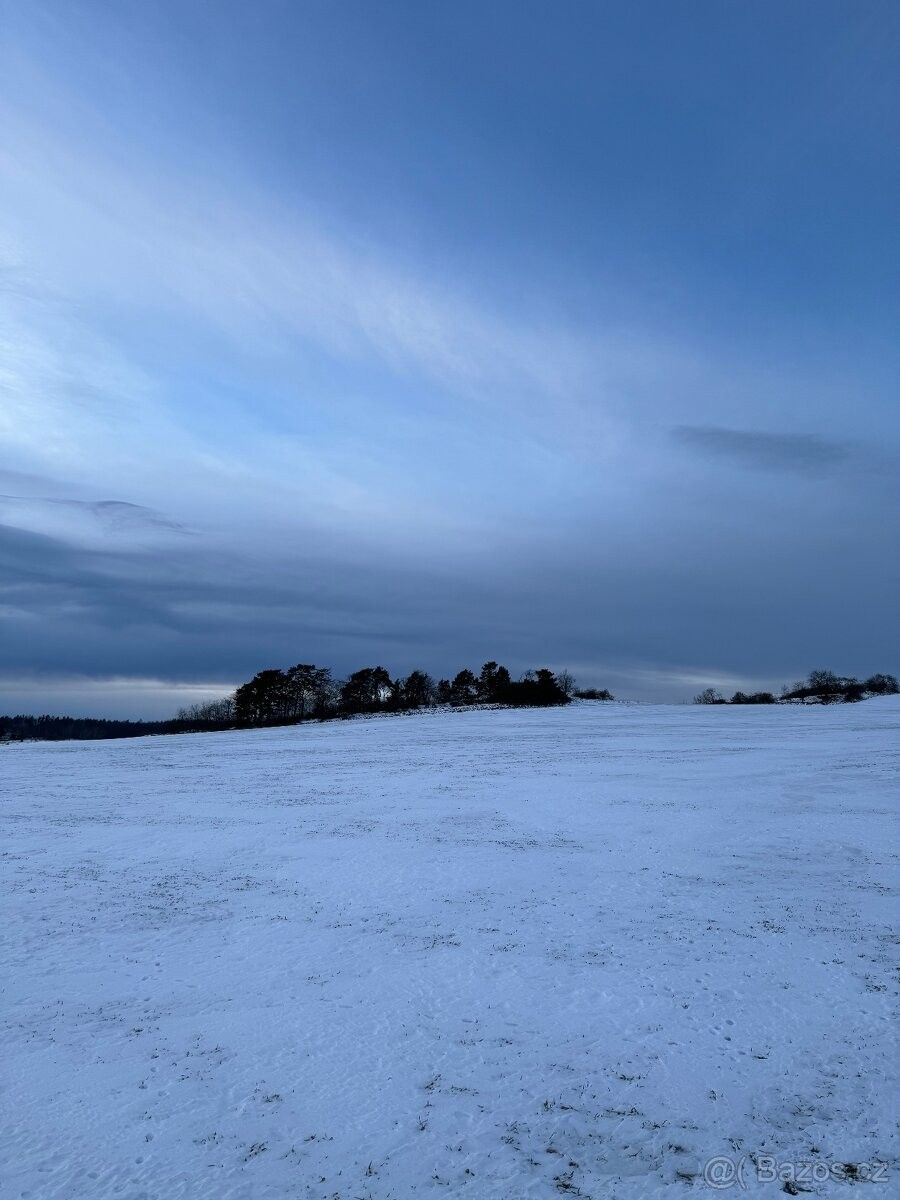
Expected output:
(464, 688)
(882, 685)
(309, 688)
(263, 699)
(366, 690)
(417, 690)
(493, 683)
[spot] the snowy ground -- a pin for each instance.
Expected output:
(489, 954)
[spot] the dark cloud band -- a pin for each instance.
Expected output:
(797, 452)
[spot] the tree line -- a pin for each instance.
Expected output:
(819, 687)
(45, 728)
(307, 692)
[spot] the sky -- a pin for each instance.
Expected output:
(427, 333)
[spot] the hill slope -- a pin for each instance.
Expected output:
(493, 953)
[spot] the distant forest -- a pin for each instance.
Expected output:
(306, 692)
(819, 687)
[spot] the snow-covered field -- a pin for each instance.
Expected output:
(493, 954)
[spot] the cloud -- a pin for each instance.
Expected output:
(416, 458)
(26, 482)
(800, 453)
(140, 697)
(267, 274)
(87, 522)
(123, 514)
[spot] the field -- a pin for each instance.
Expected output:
(489, 954)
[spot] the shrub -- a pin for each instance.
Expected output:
(825, 687)
(882, 685)
(536, 689)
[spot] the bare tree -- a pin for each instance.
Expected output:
(213, 711)
(567, 683)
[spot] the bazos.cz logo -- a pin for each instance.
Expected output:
(723, 1172)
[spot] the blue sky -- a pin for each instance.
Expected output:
(427, 333)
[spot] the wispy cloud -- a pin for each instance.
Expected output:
(804, 453)
(243, 262)
(88, 521)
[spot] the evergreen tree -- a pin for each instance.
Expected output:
(366, 690)
(417, 690)
(464, 689)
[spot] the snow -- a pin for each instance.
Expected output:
(492, 954)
